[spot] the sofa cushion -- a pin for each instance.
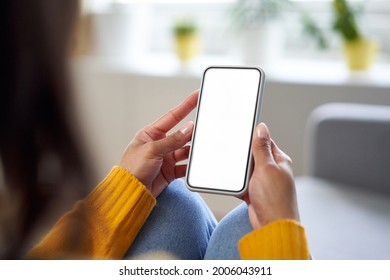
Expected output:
(342, 221)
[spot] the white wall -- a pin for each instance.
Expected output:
(114, 103)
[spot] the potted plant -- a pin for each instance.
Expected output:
(258, 24)
(359, 50)
(186, 39)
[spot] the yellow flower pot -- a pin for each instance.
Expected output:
(360, 54)
(187, 46)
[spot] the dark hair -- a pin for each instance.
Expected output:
(40, 156)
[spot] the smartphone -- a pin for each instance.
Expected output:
(229, 104)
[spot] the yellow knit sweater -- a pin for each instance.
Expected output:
(104, 225)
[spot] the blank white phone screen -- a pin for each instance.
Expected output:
(224, 125)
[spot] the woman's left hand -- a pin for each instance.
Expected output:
(152, 155)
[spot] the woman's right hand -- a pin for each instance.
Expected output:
(271, 195)
(153, 154)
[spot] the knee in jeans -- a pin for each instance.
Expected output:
(185, 204)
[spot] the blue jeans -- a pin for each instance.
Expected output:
(182, 225)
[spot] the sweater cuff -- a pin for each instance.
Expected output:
(282, 239)
(123, 200)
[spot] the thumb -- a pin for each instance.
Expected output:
(261, 145)
(174, 141)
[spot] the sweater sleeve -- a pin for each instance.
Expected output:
(282, 239)
(102, 226)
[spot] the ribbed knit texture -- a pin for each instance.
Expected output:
(282, 239)
(102, 226)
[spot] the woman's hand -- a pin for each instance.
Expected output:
(271, 195)
(152, 155)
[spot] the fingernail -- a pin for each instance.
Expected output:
(262, 131)
(187, 128)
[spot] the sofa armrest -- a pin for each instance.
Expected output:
(350, 144)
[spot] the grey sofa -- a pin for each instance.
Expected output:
(344, 200)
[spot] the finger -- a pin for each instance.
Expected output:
(159, 128)
(180, 170)
(181, 154)
(245, 198)
(174, 141)
(261, 146)
(279, 155)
